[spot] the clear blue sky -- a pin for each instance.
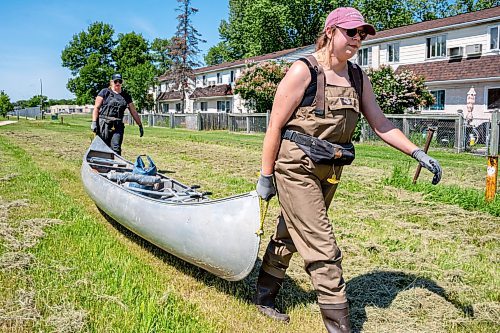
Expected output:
(33, 34)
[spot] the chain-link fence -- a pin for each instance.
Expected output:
(451, 131)
(33, 112)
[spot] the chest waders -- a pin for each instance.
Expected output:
(305, 190)
(111, 127)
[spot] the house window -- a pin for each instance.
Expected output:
(223, 106)
(165, 108)
(439, 103)
(178, 107)
(436, 46)
(219, 78)
(494, 37)
(232, 77)
(365, 57)
(203, 106)
(204, 80)
(393, 52)
(493, 98)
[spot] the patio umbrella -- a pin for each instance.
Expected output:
(471, 99)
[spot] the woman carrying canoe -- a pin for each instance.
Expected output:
(315, 110)
(107, 117)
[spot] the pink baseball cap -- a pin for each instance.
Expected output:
(348, 18)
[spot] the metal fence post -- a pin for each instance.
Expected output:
(362, 136)
(248, 124)
(460, 130)
(268, 115)
(495, 133)
(406, 125)
(172, 120)
(199, 122)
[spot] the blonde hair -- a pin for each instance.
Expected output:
(324, 49)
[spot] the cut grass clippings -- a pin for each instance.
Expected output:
(78, 276)
(411, 264)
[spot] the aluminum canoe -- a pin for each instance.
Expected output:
(220, 236)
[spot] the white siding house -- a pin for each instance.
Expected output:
(453, 54)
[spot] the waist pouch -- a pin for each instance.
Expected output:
(108, 119)
(322, 151)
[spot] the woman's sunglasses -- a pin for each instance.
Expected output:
(354, 31)
(118, 81)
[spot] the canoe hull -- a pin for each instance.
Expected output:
(219, 236)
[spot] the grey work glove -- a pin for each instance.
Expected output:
(141, 131)
(429, 163)
(93, 126)
(265, 187)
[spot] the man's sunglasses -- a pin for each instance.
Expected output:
(118, 81)
(354, 31)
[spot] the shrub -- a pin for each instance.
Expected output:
(258, 84)
(396, 93)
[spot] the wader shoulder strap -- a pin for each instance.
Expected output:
(320, 88)
(356, 78)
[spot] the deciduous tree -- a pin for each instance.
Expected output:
(160, 55)
(133, 60)
(89, 57)
(5, 104)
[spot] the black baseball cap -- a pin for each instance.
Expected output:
(116, 76)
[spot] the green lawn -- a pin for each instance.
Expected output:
(417, 258)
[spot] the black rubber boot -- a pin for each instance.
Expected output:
(268, 287)
(336, 319)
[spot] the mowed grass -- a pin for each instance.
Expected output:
(413, 261)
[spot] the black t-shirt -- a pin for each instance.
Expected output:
(106, 92)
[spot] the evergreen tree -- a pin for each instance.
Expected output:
(184, 49)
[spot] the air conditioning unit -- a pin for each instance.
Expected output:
(474, 49)
(455, 52)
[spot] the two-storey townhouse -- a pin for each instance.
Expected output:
(211, 87)
(454, 54)
(168, 97)
(215, 84)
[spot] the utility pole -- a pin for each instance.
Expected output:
(41, 96)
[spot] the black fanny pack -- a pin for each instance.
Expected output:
(322, 151)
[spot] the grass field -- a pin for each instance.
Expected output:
(416, 258)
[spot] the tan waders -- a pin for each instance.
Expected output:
(305, 191)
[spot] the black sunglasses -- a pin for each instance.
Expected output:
(118, 81)
(354, 31)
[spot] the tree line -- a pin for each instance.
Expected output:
(6, 105)
(257, 27)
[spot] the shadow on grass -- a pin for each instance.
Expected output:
(290, 296)
(378, 288)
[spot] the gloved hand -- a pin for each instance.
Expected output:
(265, 187)
(429, 163)
(141, 131)
(93, 126)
